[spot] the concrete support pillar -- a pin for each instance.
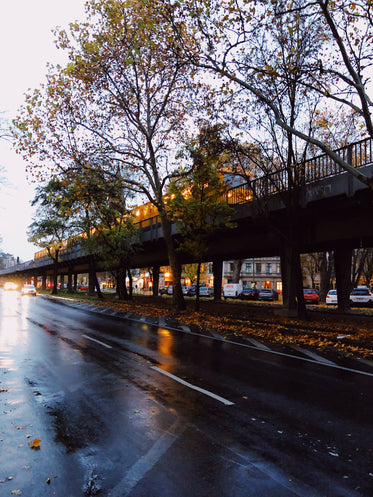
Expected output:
(75, 282)
(342, 265)
(43, 281)
(62, 281)
(217, 270)
(292, 282)
(156, 270)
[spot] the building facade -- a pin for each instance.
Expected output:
(264, 272)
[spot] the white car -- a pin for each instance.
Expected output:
(331, 298)
(29, 290)
(232, 290)
(361, 295)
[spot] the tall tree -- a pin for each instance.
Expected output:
(196, 201)
(223, 38)
(51, 227)
(122, 101)
(117, 239)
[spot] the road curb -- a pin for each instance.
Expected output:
(168, 323)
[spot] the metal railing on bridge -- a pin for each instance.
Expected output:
(358, 155)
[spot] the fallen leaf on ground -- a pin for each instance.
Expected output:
(35, 444)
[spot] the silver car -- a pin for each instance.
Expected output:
(29, 290)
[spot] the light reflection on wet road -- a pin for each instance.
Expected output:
(111, 424)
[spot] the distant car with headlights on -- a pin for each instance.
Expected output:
(332, 298)
(29, 290)
(310, 296)
(10, 286)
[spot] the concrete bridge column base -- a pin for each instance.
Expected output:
(292, 281)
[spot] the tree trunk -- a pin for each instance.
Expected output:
(217, 268)
(342, 262)
(130, 290)
(121, 284)
(177, 295)
(301, 306)
(325, 275)
(196, 307)
(92, 277)
(292, 279)
(70, 280)
(98, 289)
(55, 274)
(237, 265)
(155, 280)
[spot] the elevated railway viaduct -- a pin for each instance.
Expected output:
(334, 213)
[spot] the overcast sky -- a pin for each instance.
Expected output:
(26, 45)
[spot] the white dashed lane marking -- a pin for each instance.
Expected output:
(194, 387)
(97, 341)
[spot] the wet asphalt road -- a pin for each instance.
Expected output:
(123, 408)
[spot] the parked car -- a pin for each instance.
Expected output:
(162, 290)
(361, 295)
(331, 297)
(268, 294)
(191, 290)
(210, 291)
(310, 296)
(249, 294)
(206, 291)
(29, 290)
(232, 290)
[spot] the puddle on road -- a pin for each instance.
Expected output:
(75, 429)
